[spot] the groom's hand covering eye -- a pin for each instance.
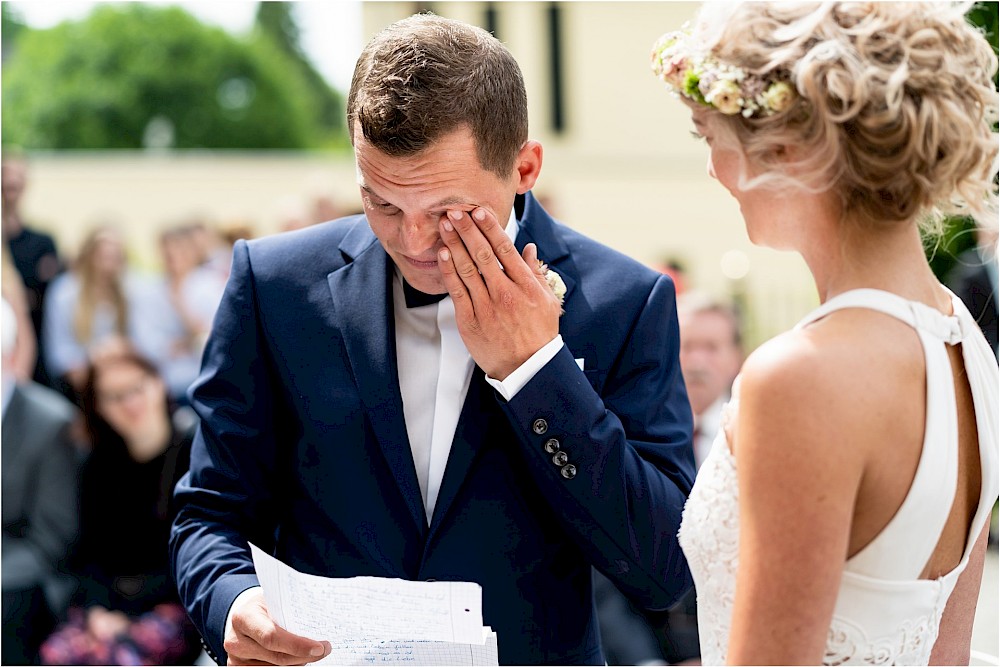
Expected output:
(503, 306)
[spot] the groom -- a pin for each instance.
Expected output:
(398, 394)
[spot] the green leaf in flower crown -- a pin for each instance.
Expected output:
(691, 81)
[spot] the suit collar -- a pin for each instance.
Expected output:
(359, 239)
(538, 227)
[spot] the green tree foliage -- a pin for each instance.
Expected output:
(959, 233)
(133, 74)
(276, 21)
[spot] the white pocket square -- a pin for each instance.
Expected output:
(579, 362)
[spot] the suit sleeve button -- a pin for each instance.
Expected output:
(540, 426)
(551, 446)
(568, 471)
(560, 458)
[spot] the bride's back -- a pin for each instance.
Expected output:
(896, 388)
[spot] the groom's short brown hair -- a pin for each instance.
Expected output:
(424, 76)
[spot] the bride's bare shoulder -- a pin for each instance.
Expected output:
(843, 376)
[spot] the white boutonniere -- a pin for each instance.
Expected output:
(554, 281)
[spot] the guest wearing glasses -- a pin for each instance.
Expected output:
(126, 609)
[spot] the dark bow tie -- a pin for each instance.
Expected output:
(415, 298)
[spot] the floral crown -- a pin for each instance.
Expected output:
(702, 78)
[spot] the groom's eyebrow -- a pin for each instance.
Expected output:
(451, 201)
(372, 192)
(447, 202)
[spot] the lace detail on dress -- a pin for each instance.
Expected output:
(910, 644)
(709, 535)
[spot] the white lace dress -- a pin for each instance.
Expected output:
(884, 613)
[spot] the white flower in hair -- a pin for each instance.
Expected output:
(724, 95)
(779, 96)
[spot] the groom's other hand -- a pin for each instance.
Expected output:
(503, 307)
(253, 638)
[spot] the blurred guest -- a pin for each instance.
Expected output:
(711, 356)
(33, 252)
(24, 357)
(126, 609)
(974, 280)
(39, 504)
(86, 305)
(193, 291)
(96, 301)
(215, 252)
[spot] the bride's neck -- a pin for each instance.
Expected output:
(846, 255)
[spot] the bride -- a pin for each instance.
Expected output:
(842, 514)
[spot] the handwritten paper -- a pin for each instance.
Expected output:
(395, 652)
(376, 620)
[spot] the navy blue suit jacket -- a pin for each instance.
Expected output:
(303, 450)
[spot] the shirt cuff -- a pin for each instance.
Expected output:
(229, 616)
(514, 382)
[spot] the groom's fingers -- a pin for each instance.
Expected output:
(254, 636)
(456, 288)
(464, 308)
(530, 256)
(501, 246)
(476, 243)
(462, 263)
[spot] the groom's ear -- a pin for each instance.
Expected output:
(528, 165)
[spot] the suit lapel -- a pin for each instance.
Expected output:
(360, 292)
(472, 424)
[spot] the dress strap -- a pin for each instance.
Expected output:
(952, 329)
(903, 548)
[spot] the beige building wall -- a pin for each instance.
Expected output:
(625, 170)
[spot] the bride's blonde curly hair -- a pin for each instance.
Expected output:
(895, 109)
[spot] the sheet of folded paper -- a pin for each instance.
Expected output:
(375, 620)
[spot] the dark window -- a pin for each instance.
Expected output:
(558, 118)
(490, 19)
